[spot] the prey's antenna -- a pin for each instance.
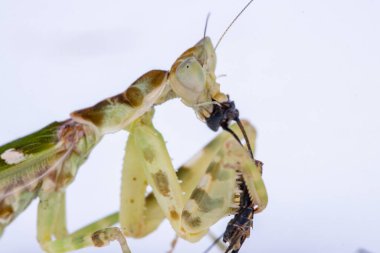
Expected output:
(233, 21)
(213, 244)
(205, 30)
(226, 128)
(245, 137)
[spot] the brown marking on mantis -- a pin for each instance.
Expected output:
(174, 215)
(70, 133)
(92, 114)
(213, 171)
(259, 165)
(216, 172)
(98, 239)
(155, 78)
(191, 52)
(133, 96)
(103, 237)
(148, 155)
(6, 211)
(67, 178)
(23, 184)
(161, 180)
(191, 221)
(204, 201)
(183, 172)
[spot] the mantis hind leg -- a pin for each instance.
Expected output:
(51, 216)
(52, 224)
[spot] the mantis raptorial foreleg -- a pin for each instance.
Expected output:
(207, 191)
(206, 186)
(136, 219)
(147, 162)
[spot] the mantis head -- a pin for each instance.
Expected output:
(192, 78)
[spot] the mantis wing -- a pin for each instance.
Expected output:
(47, 159)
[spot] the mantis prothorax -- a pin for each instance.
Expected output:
(222, 179)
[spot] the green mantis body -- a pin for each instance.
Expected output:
(193, 198)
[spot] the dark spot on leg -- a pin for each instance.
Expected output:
(183, 172)
(162, 183)
(98, 239)
(153, 77)
(134, 96)
(94, 114)
(6, 211)
(148, 155)
(157, 77)
(191, 221)
(174, 215)
(204, 201)
(216, 172)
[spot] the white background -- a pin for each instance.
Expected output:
(306, 73)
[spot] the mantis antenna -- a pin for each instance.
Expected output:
(205, 30)
(233, 21)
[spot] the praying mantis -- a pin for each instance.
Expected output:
(222, 179)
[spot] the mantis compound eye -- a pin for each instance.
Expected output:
(191, 75)
(189, 80)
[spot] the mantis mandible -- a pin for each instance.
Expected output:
(222, 179)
